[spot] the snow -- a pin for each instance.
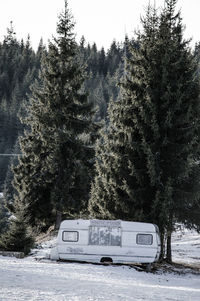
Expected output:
(29, 279)
(186, 246)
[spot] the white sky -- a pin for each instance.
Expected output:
(100, 21)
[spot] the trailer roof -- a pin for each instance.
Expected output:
(126, 225)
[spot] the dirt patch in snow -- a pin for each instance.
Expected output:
(176, 268)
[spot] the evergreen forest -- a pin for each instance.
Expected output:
(95, 133)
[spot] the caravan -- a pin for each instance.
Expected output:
(114, 241)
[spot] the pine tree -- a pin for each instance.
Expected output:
(54, 172)
(3, 215)
(178, 94)
(18, 237)
(153, 138)
(123, 162)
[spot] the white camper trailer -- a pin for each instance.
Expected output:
(107, 241)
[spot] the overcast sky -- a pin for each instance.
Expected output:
(99, 21)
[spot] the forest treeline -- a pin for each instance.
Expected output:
(105, 134)
(19, 68)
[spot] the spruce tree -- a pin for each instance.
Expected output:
(154, 130)
(18, 237)
(123, 163)
(54, 172)
(3, 215)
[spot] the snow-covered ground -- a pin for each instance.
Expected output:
(186, 247)
(31, 280)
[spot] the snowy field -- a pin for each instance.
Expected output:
(186, 247)
(31, 280)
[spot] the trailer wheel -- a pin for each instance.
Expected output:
(106, 260)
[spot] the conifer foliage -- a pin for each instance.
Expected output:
(54, 171)
(18, 66)
(152, 144)
(18, 237)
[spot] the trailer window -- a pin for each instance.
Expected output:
(70, 236)
(144, 239)
(105, 236)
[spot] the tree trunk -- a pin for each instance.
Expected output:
(169, 249)
(58, 220)
(162, 251)
(169, 235)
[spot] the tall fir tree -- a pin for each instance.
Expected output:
(153, 140)
(19, 236)
(3, 215)
(54, 172)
